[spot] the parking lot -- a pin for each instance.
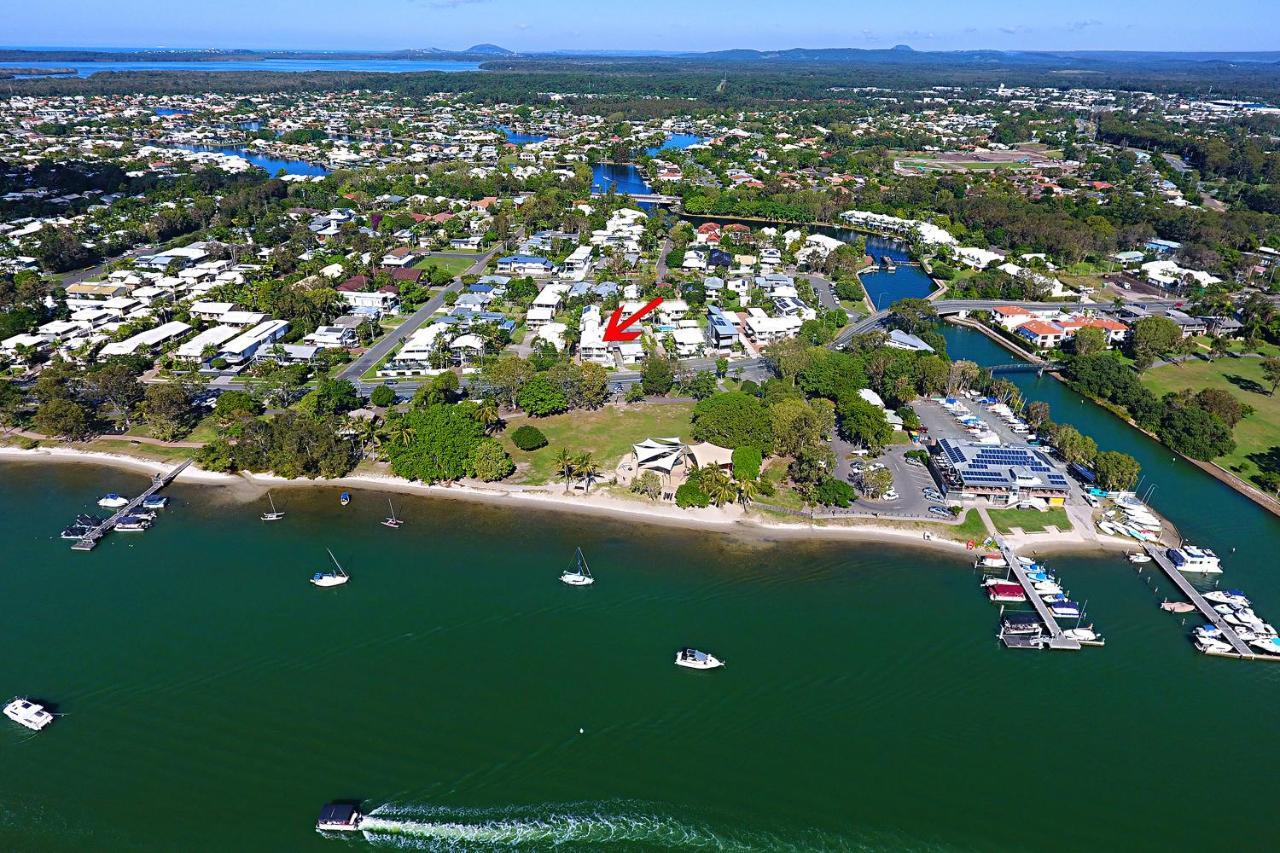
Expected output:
(909, 481)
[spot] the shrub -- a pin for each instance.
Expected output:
(383, 396)
(689, 494)
(490, 462)
(528, 438)
(746, 462)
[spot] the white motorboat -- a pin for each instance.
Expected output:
(1189, 558)
(133, 524)
(694, 659)
(113, 501)
(1270, 645)
(339, 817)
(1219, 597)
(1065, 610)
(337, 577)
(579, 574)
(1212, 647)
(1139, 558)
(275, 514)
(24, 712)
(1047, 588)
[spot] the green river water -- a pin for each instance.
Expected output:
(214, 700)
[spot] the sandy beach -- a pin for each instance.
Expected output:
(249, 487)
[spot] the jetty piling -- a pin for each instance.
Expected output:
(90, 540)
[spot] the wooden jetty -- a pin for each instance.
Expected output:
(1056, 639)
(1193, 595)
(158, 482)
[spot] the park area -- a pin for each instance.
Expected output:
(453, 265)
(1258, 435)
(1029, 520)
(607, 434)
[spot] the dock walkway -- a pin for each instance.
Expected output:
(1057, 640)
(158, 482)
(1193, 595)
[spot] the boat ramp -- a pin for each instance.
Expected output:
(90, 540)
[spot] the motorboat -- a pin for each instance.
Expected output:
(1020, 623)
(275, 514)
(1189, 558)
(155, 502)
(1006, 592)
(113, 501)
(1211, 646)
(133, 524)
(24, 712)
(1047, 587)
(1178, 607)
(997, 580)
(1065, 609)
(1054, 598)
(339, 817)
(1270, 645)
(694, 659)
(337, 577)
(344, 498)
(990, 561)
(1234, 598)
(578, 574)
(1139, 557)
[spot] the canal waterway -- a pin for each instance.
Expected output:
(265, 161)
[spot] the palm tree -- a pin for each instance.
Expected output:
(748, 490)
(400, 434)
(488, 414)
(718, 487)
(565, 466)
(588, 469)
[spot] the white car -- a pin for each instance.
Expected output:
(890, 495)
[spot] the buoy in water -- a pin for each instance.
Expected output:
(580, 731)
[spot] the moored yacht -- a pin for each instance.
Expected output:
(1231, 597)
(24, 712)
(1065, 609)
(1211, 646)
(1269, 645)
(1020, 623)
(133, 524)
(1189, 558)
(1006, 592)
(337, 577)
(113, 501)
(694, 659)
(579, 574)
(155, 502)
(1083, 635)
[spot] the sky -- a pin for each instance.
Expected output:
(669, 25)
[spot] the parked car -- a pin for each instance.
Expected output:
(932, 494)
(940, 510)
(890, 495)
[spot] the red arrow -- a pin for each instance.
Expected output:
(616, 330)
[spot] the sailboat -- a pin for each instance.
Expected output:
(275, 514)
(334, 578)
(579, 574)
(392, 522)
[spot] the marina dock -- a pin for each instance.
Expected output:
(90, 540)
(1057, 640)
(1206, 609)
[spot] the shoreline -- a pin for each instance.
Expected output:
(712, 520)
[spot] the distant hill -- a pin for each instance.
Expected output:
(489, 50)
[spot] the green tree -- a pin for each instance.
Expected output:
(116, 388)
(1073, 445)
(1116, 472)
(62, 417)
(1153, 338)
(657, 376)
(1088, 340)
(565, 465)
(490, 462)
(383, 396)
(746, 462)
(168, 411)
(443, 438)
(864, 423)
(586, 467)
(1271, 371)
(648, 484)
(541, 396)
(689, 494)
(733, 419)
(717, 486)
(877, 483)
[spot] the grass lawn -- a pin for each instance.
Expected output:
(1030, 520)
(454, 266)
(146, 451)
(1242, 377)
(971, 528)
(607, 434)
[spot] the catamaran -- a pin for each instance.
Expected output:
(579, 574)
(24, 712)
(392, 522)
(275, 514)
(337, 577)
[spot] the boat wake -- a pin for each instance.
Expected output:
(620, 825)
